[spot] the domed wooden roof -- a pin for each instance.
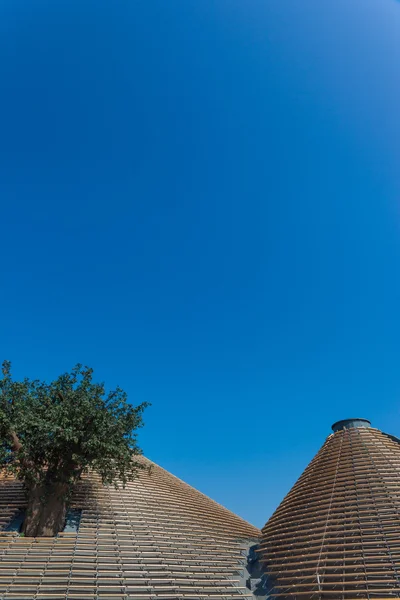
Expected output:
(157, 538)
(337, 532)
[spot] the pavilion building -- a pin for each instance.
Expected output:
(337, 532)
(158, 538)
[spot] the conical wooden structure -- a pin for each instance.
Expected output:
(158, 538)
(337, 532)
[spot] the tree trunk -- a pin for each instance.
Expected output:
(45, 516)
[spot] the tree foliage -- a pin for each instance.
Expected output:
(51, 433)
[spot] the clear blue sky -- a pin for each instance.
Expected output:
(200, 199)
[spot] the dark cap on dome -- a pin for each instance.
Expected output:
(350, 424)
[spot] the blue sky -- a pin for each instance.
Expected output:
(200, 199)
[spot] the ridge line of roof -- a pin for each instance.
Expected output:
(202, 494)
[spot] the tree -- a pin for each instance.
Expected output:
(52, 433)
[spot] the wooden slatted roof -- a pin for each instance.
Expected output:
(156, 539)
(337, 532)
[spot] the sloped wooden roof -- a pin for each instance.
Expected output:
(337, 532)
(156, 539)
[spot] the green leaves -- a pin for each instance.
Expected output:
(56, 431)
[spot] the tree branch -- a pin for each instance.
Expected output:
(17, 446)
